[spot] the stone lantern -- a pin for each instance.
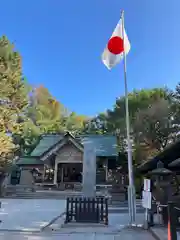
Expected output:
(162, 188)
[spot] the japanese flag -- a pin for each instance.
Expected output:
(117, 46)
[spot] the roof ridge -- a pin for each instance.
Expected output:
(97, 135)
(26, 156)
(57, 134)
(50, 135)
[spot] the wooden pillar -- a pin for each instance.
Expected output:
(122, 179)
(62, 174)
(44, 172)
(55, 172)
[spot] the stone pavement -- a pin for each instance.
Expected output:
(29, 214)
(161, 233)
(24, 218)
(124, 234)
(34, 214)
(117, 221)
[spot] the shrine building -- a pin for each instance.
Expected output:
(58, 158)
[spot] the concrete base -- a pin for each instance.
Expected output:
(159, 233)
(81, 225)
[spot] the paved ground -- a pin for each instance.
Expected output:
(33, 214)
(125, 234)
(117, 222)
(162, 233)
(29, 214)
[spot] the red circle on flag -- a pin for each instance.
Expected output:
(115, 45)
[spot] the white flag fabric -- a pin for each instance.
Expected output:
(117, 45)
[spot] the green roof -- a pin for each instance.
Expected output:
(29, 161)
(105, 145)
(46, 143)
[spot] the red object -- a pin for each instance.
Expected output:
(169, 231)
(115, 45)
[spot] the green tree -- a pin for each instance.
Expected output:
(154, 126)
(115, 119)
(7, 150)
(50, 115)
(27, 139)
(13, 97)
(141, 103)
(138, 100)
(176, 104)
(74, 123)
(96, 125)
(46, 112)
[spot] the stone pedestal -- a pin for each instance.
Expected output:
(89, 171)
(26, 178)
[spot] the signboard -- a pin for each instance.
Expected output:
(147, 185)
(146, 199)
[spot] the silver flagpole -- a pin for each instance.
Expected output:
(131, 187)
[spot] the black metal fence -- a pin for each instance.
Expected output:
(87, 210)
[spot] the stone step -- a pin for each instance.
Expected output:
(21, 193)
(35, 196)
(120, 209)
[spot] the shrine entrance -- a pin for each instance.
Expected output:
(69, 173)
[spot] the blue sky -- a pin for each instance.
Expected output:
(61, 43)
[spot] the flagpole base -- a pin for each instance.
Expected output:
(132, 204)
